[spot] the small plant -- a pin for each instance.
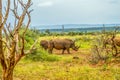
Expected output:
(104, 67)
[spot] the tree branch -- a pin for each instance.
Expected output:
(32, 47)
(6, 14)
(22, 15)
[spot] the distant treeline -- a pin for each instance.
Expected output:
(92, 29)
(75, 27)
(76, 31)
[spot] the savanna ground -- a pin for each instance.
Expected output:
(59, 66)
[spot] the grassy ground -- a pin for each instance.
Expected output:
(68, 67)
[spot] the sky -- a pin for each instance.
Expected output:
(49, 12)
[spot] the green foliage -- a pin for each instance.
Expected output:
(38, 54)
(84, 41)
(48, 32)
(42, 55)
(30, 36)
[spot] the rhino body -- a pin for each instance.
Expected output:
(62, 44)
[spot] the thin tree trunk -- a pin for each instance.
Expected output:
(10, 59)
(1, 51)
(1, 47)
(8, 74)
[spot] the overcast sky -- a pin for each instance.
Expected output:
(75, 12)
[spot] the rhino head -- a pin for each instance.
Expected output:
(75, 47)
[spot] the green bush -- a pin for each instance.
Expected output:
(42, 55)
(30, 37)
(38, 54)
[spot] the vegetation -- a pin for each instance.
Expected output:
(91, 62)
(40, 65)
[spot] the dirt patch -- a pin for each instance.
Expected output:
(82, 57)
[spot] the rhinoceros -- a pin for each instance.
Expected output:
(44, 44)
(62, 44)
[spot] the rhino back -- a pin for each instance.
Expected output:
(61, 44)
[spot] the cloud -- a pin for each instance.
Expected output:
(76, 11)
(113, 1)
(45, 4)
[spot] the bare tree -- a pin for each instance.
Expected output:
(12, 45)
(105, 45)
(113, 41)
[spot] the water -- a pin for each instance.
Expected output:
(76, 27)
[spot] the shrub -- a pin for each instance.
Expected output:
(42, 55)
(30, 37)
(98, 52)
(38, 54)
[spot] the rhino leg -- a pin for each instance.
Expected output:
(50, 46)
(68, 51)
(49, 51)
(63, 51)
